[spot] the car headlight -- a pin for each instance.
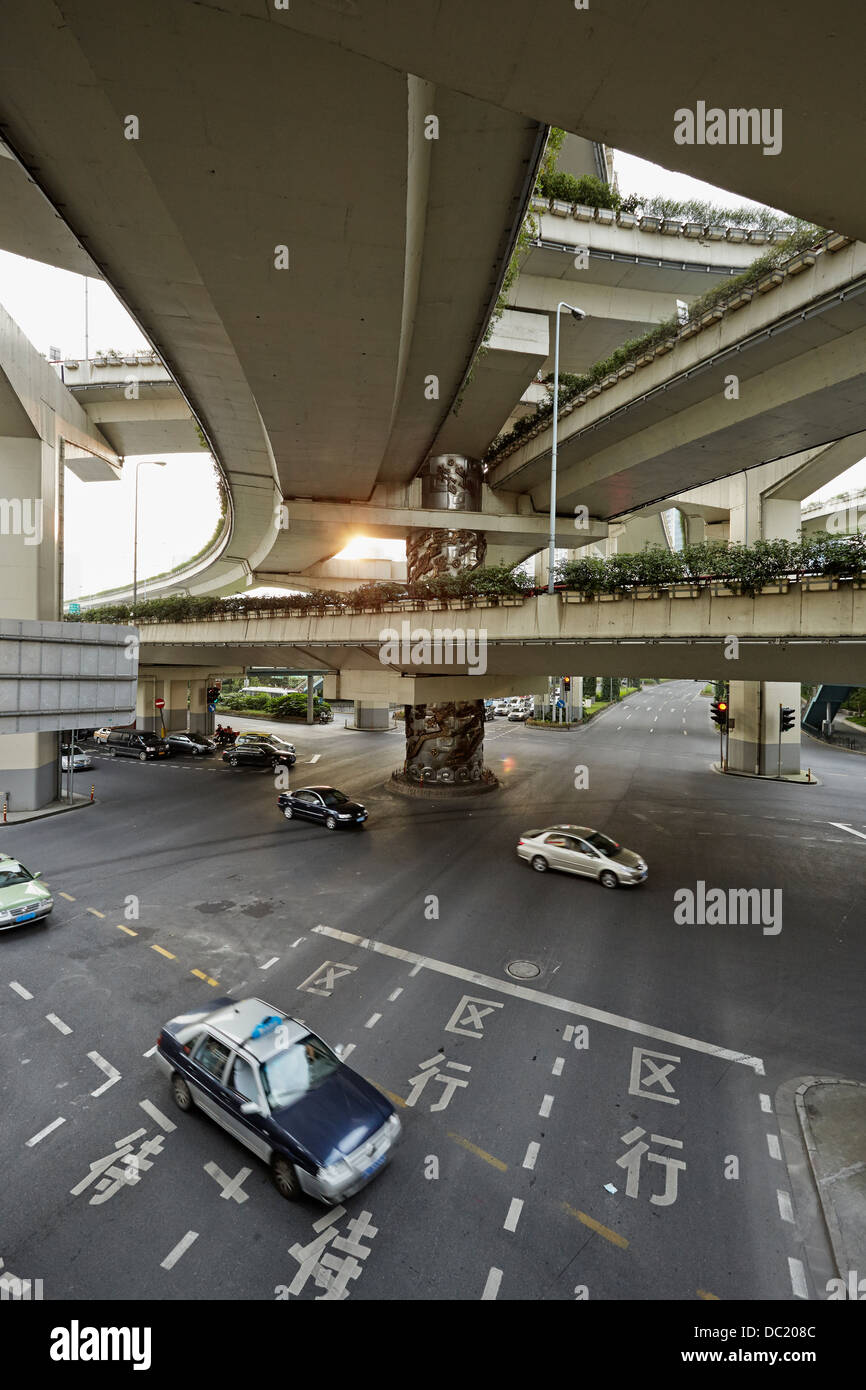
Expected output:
(5, 916)
(393, 1126)
(336, 1172)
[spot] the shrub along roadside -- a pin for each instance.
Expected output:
(740, 566)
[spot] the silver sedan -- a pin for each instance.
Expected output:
(577, 849)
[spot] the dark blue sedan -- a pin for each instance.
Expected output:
(281, 1091)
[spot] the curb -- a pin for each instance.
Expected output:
(25, 817)
(831, 1221)
(799, 781)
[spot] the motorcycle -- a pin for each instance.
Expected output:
(225, 738)
(325, 716)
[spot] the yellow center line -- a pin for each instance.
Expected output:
(199, 973)
(212, 982)
(95, 913)
(596, 1226)
(480, 1153)
(128, 930)
(68, 897)
(702, 1293)
(163, 953)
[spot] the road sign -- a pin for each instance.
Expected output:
(160, 704)
(75, 607)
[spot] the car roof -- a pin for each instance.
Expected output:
(315, 787)
(238, 1021)
(574, 829)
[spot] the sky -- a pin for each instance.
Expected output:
(178, 506)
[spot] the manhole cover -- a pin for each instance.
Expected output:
(523, 969)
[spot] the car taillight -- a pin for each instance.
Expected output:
(159, 1041)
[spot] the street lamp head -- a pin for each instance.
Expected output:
(577, 314)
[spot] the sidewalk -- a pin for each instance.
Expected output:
(832, 1115)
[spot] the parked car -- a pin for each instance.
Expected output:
(325, 804)
(501, 707)
(192, 743)
(517, 713)
(126, 743)
(22, 897)
(253, 751)
(579, 850)
(81, 761)
(101, 735)
(278, 1088)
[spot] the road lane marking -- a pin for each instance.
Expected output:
(59, 1024)
(840, 825)
(163, 952)
(372, 1020)
(546, 1105)
(798, 1278)
(395, 995)
(531, 1155)
(511, 1220)
(199, 974)
(298, 942)
(315, 758)
(111, 1072)
(347, 1051)
(703, 1293)
(785, 1209)
(479, 1153)
(613, 1236)
(155, 1114)
(550, 1001)
(766, 1104)
(95, 913)
(128, 930)
(556, 1069)
(37, 1138)
(491, 1288)
(773, 1146)
(19, 989)
(273, 960)
(231, 1187)
(181, 1248)
(67, 896)
(150, 1051)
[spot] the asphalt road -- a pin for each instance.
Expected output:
(515, 1178)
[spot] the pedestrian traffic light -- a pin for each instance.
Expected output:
(786, 718)
(719, 713)
(213, 694)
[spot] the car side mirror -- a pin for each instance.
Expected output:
(38, 873)
(339, 1049)
(251, 1107)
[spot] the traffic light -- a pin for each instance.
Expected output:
(566, 683)
(719, 713)
(786, 718)
(213, 694)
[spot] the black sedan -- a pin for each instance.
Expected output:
(194, 744)
(325, 804)
(259, 753)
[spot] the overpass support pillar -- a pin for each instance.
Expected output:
(370, 715)
(200, 719)
(311, 697)
(29, 583)
(754, 740)
(445, 741)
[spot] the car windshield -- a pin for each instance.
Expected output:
(603, 844)
(11, 874)
(296, 1070)
(334, 798)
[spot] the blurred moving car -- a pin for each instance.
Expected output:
(278, 1088)
(22, 897)
(577, 849)
(81, 761)
(501, 707)
(326, 804)
(101, 735)
(185, 742)
(518, 713)
(251, 750)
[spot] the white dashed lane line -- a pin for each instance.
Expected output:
(511, 1220)
(546, 1106)
(491, 1288)
(58, 1024)
(785, 1209)
(181, 1248)
(19, 989)
(37, 1138)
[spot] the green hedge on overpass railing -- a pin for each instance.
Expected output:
(745, 568)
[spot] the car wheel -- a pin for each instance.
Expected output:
(608, 879)
(285, 1179)
(195, 752)
(111, 753)
(540, 864)
(288, 812)
(233, 762)
(330, 823)
(181, 1092)
(142, 757)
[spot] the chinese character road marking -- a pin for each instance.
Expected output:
(537, 996)
(322, 981)
(108, 1167)
(631, 1161)
(111, 1072)
(652, 1075)
(428, 1072)
(329, 1271)
(468, 1014)
(231, 1187)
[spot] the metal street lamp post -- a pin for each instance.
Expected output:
(157, 463)
(577, 314)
